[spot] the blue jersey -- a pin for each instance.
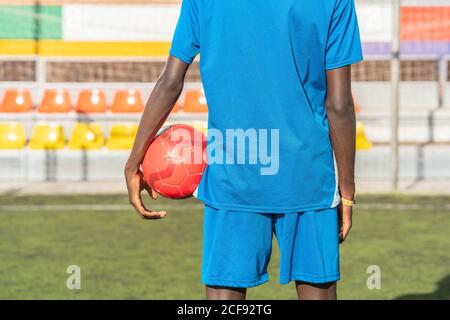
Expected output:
(263, 65)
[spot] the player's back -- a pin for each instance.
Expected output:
(263, 65)
(264, 56)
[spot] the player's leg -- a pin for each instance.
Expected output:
(236, 251)
(311, 291)
(309, 247)
(222, 293)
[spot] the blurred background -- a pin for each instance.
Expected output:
(74, 78)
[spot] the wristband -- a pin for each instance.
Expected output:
(347, 202)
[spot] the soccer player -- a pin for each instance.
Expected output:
(280, 72)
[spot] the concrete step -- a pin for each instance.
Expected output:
(415, 126)
(417, 162)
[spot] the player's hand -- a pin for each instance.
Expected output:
(135, 185)
(345, 221)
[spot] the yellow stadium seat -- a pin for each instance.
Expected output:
(86, 136)
(122, 136)
(362, 142)
(47, 137)
(12, 136)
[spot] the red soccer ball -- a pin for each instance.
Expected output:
(175, 161)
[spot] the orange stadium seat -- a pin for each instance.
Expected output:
(195, 101)
(127, 101)
(55, 101)
(16, 101)
(357, 105)
(12, 135)
(91, 101)
(177, 107)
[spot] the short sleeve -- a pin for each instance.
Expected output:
(186, 43)
(344, 43)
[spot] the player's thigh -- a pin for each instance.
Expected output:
(225, 293)
(316, 291)
(309, 247)
(236, 248)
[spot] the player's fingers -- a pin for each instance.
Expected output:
(134, 203)
(144, 185)
(154, 215)
(345, 231)
(143, 212)
(340, 227)
(152, 193)
(340, 214)
(341, 237)
(148, 214)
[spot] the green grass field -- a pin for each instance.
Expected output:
(124, 257)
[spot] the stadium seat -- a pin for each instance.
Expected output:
(91, 101)
(357, 105)
(127, 101)
(16, 101)
(12, 135)
(362, 142)
(195, 101)
(47, 137)
(177, 107)
(86, 136)
(200, 125)
(122, 136)
(55, 101)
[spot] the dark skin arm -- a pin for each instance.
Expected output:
(159, 105)
(342, 124)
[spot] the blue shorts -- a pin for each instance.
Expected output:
(237, 247)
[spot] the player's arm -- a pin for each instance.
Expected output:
(342, 124)
(159, 105)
